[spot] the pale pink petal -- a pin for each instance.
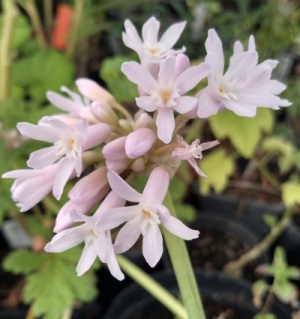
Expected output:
(117, 166)
(185, 104)
(152, 244)
(123, 189)
(43, 157)
(214, 48)
(208, 145)
(89, 185)
(172, 34)
(182, 63)
(36, 132)
(131, 38)
(146, 103)
(114, 267)
(240, 109)
(92, 90)
(66, 239)
(237, 48)
(188, 79)
(139, 142)
(96, 135)
(150, 31)
(254, 97)
(175, 226)
(274, 87)
(127, 237)
(251, 43)
(63, 174)
(195, 166)
(165, 124)
(284, 103)
(157, 185)
(243, 64)
(116, 216)
(87, 258)
(138, 75)
(78, 164)
(112, 200)
(63, 103)
(166, 70)
(258, 76)
(182, 153)
(115, 149)
(207, 106)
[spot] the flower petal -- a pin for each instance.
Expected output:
(188, 79)
(123, 189)
(38, 132)
(207, 106)
(139, 142)
(167, 70)
(92, 90)
(165, 124)
(138, 75)
(87, 258)
(175, 226)
(172, 34)
(152, 244)
(43, 157)
(115, 217)
(157, 185)
(214, 49)
(185, 104)
(127, 237)
(150, 31)
(146, 103)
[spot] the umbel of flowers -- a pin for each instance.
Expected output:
(98, 144)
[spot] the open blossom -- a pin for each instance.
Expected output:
(150, 48)
(191, 152)
(245, 85)
(32, 185)
(166, 93)
(97, 242)
(145, 217)
(68, 142)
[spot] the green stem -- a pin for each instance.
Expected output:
(76, 18)
(155, 289)
(9, 16)
(183, 270)
(233, 268)
(34, 17)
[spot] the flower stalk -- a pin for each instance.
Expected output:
(155, 289)
(183, 270)
(9, 17)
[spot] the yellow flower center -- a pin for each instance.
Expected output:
(165, 96)
(153, 51)
(146, 213)
(221, 89)
(71, 143)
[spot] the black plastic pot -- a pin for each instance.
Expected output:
(219, 294)
(242, 210)
(223, 240)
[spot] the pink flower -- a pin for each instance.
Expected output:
(245, 85)
(145, 217)
(32, 185)
(166, 93)
(150, 49)
(68, 142)
(97, 242)
(192, 152)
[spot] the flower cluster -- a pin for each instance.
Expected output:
(101, 147)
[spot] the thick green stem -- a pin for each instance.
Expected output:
(155, 289)
(9, 18)
(183, 270)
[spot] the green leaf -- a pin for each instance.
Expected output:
(291, 193)
(23, 261)
(55, 287)
(22, 31)
(118, 84)
(283, 149)
(219, 166)
(177, 189)
(244, 133)
(259, 288)
(285, 291)
(45, 70)
(292, 273)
